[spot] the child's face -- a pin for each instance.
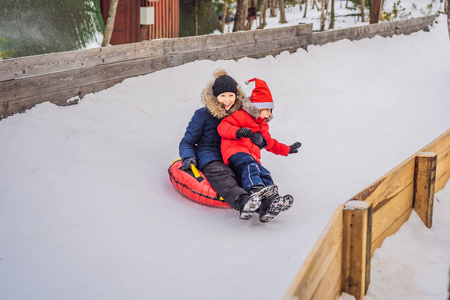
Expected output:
(227, 99)
(265, 113)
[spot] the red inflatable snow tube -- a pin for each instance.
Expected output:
(193, 184)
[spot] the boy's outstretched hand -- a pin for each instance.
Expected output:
(294, 147)
(243, 132)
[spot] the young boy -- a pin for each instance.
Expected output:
(241, 148)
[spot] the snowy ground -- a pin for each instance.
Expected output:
(417, 255)
(87, 210)
(414, 263)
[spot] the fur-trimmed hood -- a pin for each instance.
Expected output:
(249, 107)
(218, 111)
(252, 110)
(212, 104)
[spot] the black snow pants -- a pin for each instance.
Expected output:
(223, 180)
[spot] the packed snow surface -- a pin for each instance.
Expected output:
(87, 210)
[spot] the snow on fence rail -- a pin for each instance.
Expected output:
(64, 78)
(340, 259)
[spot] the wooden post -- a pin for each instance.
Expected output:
(424, 181)
(375, 11)
(356, 248)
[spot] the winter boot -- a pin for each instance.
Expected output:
(247, 205)
(271, 208)
(264, 192)
(288, 201)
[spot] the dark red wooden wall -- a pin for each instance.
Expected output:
(127, 27)
(167, 19)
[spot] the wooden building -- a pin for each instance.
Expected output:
(167, 19)
(138, 20)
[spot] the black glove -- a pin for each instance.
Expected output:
(187, 163)
(294, 147)
(258, 140)
(243, 132)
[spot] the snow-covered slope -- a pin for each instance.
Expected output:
(87, 210)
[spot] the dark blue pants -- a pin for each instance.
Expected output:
(249, 171)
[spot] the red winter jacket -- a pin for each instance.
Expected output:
(230, 145)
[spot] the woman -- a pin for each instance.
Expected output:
(200, 145)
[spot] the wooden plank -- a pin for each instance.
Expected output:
(62, 61)
(441, 146)
(233, 52)
(424, 22)
(191, 43)
(368, 31)
(319, 260)
(56, 62)
(357, 248)
(266, 35)
(412, 29)
(353, 33)
(238, 39)
(393, 209)
(60, 97)
(208, 42)
(322, 38)
(331, 283)
(329, 36)
(442, 172)
(425, 176)
(31, 86)
(393, 228)
(373, 30)
(389, 185)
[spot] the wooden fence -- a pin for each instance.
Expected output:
(340, 259)
(60, 77)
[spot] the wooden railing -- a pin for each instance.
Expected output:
(64, 78)
(340, 259)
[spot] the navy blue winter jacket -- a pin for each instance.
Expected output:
(201, 139)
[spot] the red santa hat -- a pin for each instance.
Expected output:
(261, 96)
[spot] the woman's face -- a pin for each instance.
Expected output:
(227, 99)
